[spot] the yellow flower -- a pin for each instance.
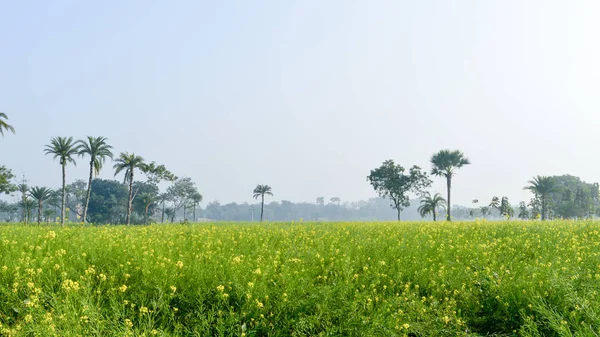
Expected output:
(143, 310)
(179, 264)
(173, 289)
(221, 288)
(123, 288)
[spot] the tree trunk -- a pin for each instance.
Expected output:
(184, 209)
(64, 196)
(146, 215)
(262, 206)
(449, 185)
(39, 211)
(543, 208)
(162, 218)
(194, 212)
(89, 192)
(434, 215)
(398, 209)
(130, 196)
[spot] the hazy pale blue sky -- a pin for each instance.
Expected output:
(306, 96)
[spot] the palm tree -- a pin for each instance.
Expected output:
(196, 199)
(542, 187)
(128, 162)
(4, 125)
(64, 149)
(48, 213)
(23, 188)
(444, 164)
(495, 203)
(430, 204)
(40, 194)
(98, 151)
(27, 205)
(260, 191)
(148, 199)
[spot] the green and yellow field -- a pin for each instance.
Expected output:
(302, 279)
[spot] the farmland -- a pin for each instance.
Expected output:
(302, 279)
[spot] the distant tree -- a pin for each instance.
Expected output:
(390, 181)
(445, 164)
(64, 149)
(320, 201)
(147, 199)
(128, 163)
(335, 200)
(48, 213)
(542, 187)
(485, 211)
(157, 173)
(23, 188)
(163, 198)
(180, 194)
(261, 191)
(108, 203)
(195, 200)
(170, 213)
(6, 177)
(40, 194)
(495, 203)
(28, 205)
(99, 151)
(4, 125)
(523, 211)
(430, 205)
(506, 209)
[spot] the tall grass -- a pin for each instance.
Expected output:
(302, 279)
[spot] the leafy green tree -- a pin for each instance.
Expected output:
(180, 194)
(542, 187)
(64, 149)
(108, 202)
(128, 163)
(157, 173)
(335, 200)
(485, 211)
(261, 191)
(430, 205)
(390, 181)
(523, 211)
(4, 125)
(40, 194)
(445, 163)
(98, 151)
(6, 177)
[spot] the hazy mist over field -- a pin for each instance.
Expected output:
(306, 96)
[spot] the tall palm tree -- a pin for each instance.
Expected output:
(431, 204)
(99, 151)
(260, 191)
(445, 164)
(4, 125)
(128, 162)
(27, 205)
(64, 149)
(542, 187)
(40, 194)
(48, 214)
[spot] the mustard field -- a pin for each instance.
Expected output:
(302, 279)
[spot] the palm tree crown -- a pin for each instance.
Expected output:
(542, 187)
(127, 162)
(262, 190)
(97, 149)
(444, 163)
(62, 148)
(430, 204)
(4, 125)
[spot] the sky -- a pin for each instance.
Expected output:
(306, 96)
